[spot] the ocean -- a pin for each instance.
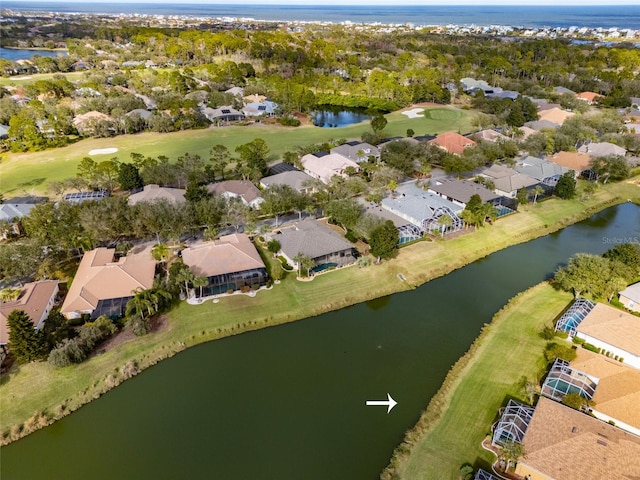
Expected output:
(621, 16)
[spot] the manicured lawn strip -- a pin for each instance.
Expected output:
(460, 415)
(31, 172)
(35, 388)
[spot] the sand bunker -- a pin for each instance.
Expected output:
(414, 112)
(103, 151)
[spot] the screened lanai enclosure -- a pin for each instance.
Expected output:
(562, 380)
(253, 279)
(113, 308)
(408, 233)
(570, 320)
(483, 475)
(513, 424)
(442, 221)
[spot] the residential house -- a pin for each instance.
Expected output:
(297, 180)
(564, 444)
(508, 181)
(537, 125)
(103, 284)
(153, 192)
(471, 85)
(256, 109)
(452, 142)
(407, 232)
(87, 123)
(526, 132)
(143, 114)
(617, 394)
(4, 131)
(237, 91)
(316, 241)
(461, 191)
(357, 151)
(36, 299)
(325, 166)
(589, 97)
(503, 94)
(490, 136)
(578, 161)
(630, 297)
(230, 263)
(13, 209)
(610, 329)
(563, 91)
(602, 149)
(422, 210)
(223, 114)
(555, 115)
(246, 191)
(546, 172)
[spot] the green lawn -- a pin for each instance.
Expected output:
(22, 173)
(507, 350)
(29, 390)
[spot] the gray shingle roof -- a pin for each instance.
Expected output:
(295, 179)
(462, 190)
(311, 239)
(415, 204)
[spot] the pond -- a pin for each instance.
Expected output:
(15, 54)
(288, 402)
(338, 117)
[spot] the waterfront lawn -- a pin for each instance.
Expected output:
(510, 348)
(29, 390)
(22, 173)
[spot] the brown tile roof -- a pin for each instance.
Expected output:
(613, 326)
(229, 254)
(555, 115)
(100, 278)
(452, 142)
(574, 160)
(242, 188)
(151, 193)
(33, 300)
(618, 391)
(565, 444)
(589, 96)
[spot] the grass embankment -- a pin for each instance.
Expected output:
(31, 172)
(459, 416)
(33, 395)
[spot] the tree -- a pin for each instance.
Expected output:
(530, 388)
(378, 122)
(254, 156)
(555, 350)
(584, 273)
(140, 304)
(577, 402)
(512, 452)
(199, 282)
(220, 158)
(305, 264)
(566, 186)
(278, 200)
(273, 246)
(9, 294)
(384, 240)
(160, 252)
(25, 342)
(521, 196)
(537, 190)
(346, 212)
(610, 167)
(129, 177)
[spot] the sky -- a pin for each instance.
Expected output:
(371, 2)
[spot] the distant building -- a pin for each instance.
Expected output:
(324, 167)
(461, 191)
(246, 191)
(630, 297)
(81, 197)
(13, 209)
(357, 151)
(452, 142)
(508, 181)
(544, 171)
(257, 109)
(297, 180)
(223, 114)
(589, 97)
(152, 193)
(602, 149)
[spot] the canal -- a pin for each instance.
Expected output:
(289, 402)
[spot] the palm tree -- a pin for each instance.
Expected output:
(445, 221)
(139, 304)
(185, 276)
(537, 191)
(9, 294)
(200, 282)
(160, 252)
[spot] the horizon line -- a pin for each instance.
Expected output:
(359, 3)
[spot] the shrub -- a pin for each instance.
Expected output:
(547, 333)
(138, 326)
(289, 121)
(67, 352)
(554, 350)
(591, 348)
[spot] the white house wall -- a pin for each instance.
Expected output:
(623, 426)
(629, 358)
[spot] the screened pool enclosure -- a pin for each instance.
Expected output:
(513, 424)
(562, 380)
(570, 320)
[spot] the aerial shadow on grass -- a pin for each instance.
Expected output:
(32, 183)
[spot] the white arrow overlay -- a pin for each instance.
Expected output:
(390, 402)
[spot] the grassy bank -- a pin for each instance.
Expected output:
(31, 172)
(35, 394)
(459, 416)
